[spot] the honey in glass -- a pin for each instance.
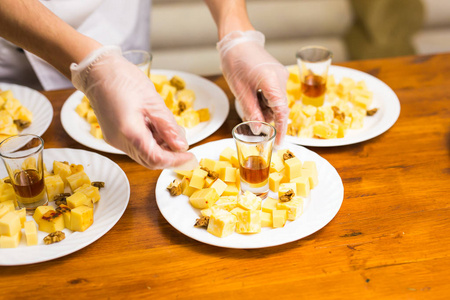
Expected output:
(255, 170)
(313, 90)
(29, 186)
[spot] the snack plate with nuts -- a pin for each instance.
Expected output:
(38, 104)
(384, 99)
(319, 209)
(114, 200)
(208, 95)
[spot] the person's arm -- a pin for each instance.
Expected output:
(248, 67)
(31, 26)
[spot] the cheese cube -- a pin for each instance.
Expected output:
(293, 168)
(10, 204)
(324, 113)
(203, 114)
(10, 224)
(10, 241)
(231, 190)
(7, 192)
(208, 163)
(40, 211)
(345, 86)
(91, 117)
(274, 181)
(207, 212)
(31, 233)
(234, 160)
(4, 210)
(249, 201)
(269, 205)
(159, 80)
(91, 192)
(227, 153)
(82, 218)
(67, 215)
(22, 215)
(51, 221)
(219, 186)
(168, 93)
(325, 130)
(190, 117)
(185, 188)
(276, 163)
(285, 187)
(24, 114)
(294, 208)
(96, 131)
(221, 164)
(227, 202)
(204, 198)
(184, 173)
(61, 169)
(222, 224)
(187, 96)
(235, 210)
(279, 218)
(228, 174)
(78, 199)
(78, 179)
(54, 186)
(82, 109)
(266, 219)
(309, 170)
(248, 221)
(198, 178)
(302, 185)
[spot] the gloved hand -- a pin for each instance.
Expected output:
(132, 115)
(247, 67)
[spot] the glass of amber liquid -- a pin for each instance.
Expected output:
(23, 158)
(254, 143)
(313, 63)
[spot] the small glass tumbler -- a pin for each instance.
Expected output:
(23, 158)
(142, 59)
(313, 63)
(254, 144)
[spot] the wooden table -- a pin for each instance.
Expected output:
(389, 240)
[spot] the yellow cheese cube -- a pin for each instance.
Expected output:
(91, 117)
(248, 221)
(91, 192)
(285, 187)
(208, 163)
(22, 215)
(266, 219)
(40, 211)
(159, 80)
(61, 169)
(222, 224)
(293, 88)
(198, 178)
(345, 86)
(187, 96)
(228, 174)
(203, 114)
(67, 214)
(220, 186)
(274, 181)
(168, 93)
(4, 210)
(249, 201)
(324, 113)
(10, 224)
(184, 173)
(294, 208)
(204, 198)
(185, 188)
(208, 182)
(227, 153)
(54, 186)
(7, 192)
(325, 130)
(51, 221)
(276, 163)
(227, 202)
(82, 109)
(279, 218)
(234, 160)
(190, 117)
(31, 233)
(293, 168)
(78, 179)
(357, 119)
(309, 170)
(269, 204)
(235, 210)
(96, 131)
(78, 199)
(231, 190)
(10, 241)
(221, 164)
(207, 212)
(294, 74)
(303, 186)
(82, 218)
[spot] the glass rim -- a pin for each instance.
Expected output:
(41, 146)
(328, 54)
(253, 122)
(144, 52)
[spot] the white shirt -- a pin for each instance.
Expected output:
(124, 23)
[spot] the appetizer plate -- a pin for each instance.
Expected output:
(384, 99)
(319, 208)
(37, 103)
(208, 95)
(113, 202)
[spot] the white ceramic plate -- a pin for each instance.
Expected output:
(319, 208)
(384, 99)
(113, 202)
(208, 95)
(37, 103)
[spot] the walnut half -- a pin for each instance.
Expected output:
(54, 237)
(202, 222)
(288, 155)
(287, 196)
(175, 187)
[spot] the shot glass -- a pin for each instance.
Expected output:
(142, 59)
(313, 63)
(254, 144)
(23, 158)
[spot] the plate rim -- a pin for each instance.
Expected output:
(101, 231)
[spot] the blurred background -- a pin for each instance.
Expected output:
(183, 34)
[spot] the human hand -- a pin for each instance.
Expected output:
(132, 115)
(248, 67)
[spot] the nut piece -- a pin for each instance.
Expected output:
(338, 114)
(287, 196)
(177, 82)
(22, 124)
(175, 187)
(61, 199)
(211, 174)
(203, 221)
(287, 155)
(50, 215)
(54, 237)
(98, 184)
(181, 107)
(63, 208)
(372, 111)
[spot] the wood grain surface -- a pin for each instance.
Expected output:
(390, 239)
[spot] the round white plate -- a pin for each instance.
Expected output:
(37, 103)
(113, 202)
(384, 99)
(319, 208)
(208, 95)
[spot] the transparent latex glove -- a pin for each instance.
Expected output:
(132, 115)
(248, 67)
